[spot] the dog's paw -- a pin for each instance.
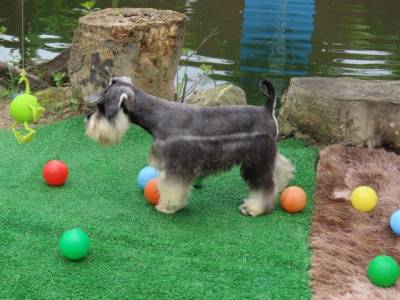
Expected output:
(249, 208)
(246, 210)
(165, 210)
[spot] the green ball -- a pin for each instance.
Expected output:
(20, 108)
(74, 244)
(383, 271)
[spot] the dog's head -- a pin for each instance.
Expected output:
(108, 122)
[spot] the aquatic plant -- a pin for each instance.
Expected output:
(88, 6)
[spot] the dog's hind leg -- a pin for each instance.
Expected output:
(261, 199)
(283, 172)
(174, 192)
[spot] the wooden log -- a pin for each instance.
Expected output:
(141, 43)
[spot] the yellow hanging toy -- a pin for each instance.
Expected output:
(25, 109)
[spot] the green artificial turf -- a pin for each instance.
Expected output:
(207, 251)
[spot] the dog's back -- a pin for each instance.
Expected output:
(206, 121)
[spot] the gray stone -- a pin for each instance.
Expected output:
(228, 94)
(55, 98)
(142, 43)
(342, 110)
(54, 94)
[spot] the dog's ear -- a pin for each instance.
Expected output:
(126, 95)
(94, 99)
(114, 99)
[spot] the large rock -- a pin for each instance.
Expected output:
(221, 95)
(58, 102)
(54, 96)
(342, 110)
(47, 69)
(142, 43)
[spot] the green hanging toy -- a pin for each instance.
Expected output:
(25, 109)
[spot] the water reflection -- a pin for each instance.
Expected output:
(356, 38)
(256, 38)
(276, 40)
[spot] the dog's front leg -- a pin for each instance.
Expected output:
(259, 202)
(174, 192)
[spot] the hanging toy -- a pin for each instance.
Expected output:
(25, 109)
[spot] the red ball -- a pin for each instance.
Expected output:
(55, 172)
(151, 192)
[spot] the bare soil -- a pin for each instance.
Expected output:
(50, 116)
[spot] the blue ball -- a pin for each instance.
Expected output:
(147, 174)
(395, 222)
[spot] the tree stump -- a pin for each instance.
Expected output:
(142, 43)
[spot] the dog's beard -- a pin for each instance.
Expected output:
(107, 132)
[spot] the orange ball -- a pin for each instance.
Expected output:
(151, 192)
(293, 199)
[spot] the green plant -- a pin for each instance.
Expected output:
(114, 3)
(88, 6)
(59, 79)
(74, 103)
(4, 93)
(13, 80)
(182, 89)
(12, 83)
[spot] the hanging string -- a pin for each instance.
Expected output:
(23, 35)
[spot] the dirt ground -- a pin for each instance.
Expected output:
(54, 115)
(5, 118)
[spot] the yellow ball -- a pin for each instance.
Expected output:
(364, 198)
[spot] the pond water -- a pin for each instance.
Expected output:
(277, 39)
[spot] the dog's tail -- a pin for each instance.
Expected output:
(267, 89)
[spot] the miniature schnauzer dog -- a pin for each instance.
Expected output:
(192, 141)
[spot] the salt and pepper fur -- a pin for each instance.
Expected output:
(192, 141)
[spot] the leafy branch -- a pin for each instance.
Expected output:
(189, 53)
(182, 90)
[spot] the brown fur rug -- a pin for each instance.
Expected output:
(344, 240)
